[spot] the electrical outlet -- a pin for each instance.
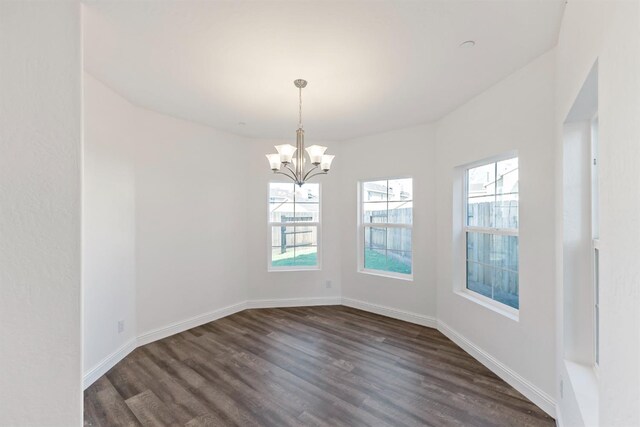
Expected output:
(328, 284)
(120, 326)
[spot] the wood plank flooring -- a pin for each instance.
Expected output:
(305, 366)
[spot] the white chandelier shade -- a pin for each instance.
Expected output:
(289, 155)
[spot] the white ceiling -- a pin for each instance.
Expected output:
(372, 66)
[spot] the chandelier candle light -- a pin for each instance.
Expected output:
(289, 155)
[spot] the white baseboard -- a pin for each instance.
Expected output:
(407, 316)
(530, 391)
(293, 302)
(107, 363)
(192, 322)
(559, 422)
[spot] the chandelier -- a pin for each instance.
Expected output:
(289, 156)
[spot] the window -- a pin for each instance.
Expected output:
(294, 224)
(385, 223)
(491, 231)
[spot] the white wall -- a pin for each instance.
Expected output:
(515, 114)
(191, 215)
(405, 152)
(40, 162)
(108, 215)
(610, 33)
(279, 285)
(619, 113)
(164, 225)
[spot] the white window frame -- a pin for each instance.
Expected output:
(595, 239)
(270, 226)
(462, 289)
(362, 225)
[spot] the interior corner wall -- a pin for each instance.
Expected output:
(108, 223)
(608, 32)
(191, 214)
(40, 181)
(404, 152)
(278, 288)
(164, 225)
(515, 114)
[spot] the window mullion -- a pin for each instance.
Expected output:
(495, 193)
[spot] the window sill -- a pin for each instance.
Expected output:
(405, 277)
(292, 269)
(497, 307)
(585, 388)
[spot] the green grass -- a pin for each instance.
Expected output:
(309, 260)
(375, 260)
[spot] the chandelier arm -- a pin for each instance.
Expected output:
(291, 170)
(317, 173)
(285, 174)
(306, 175)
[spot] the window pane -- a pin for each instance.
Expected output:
(492, 267)
(505, 288)
(479, 278)
(306, 240)
(399, 250)
(506, 211)
(309, 193)
(400, 212)
(306, 212)
(375, 248)
(479, 248)
(375, 238)
(289, 203)
(374, 191)
(305, 236)
(281, 192)
(294, 246)
(399, 261)
(282, 246)
(374, 212)
(493, 201)
(400, 189)
(388, 249)
(507, 181)
(480, 211)
(281, 212)
(504, 252)
(481, 180)
(399, 239)
(307, 256)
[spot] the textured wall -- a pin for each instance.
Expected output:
(40, 146)
(108, 222)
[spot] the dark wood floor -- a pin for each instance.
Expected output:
(311, 366)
